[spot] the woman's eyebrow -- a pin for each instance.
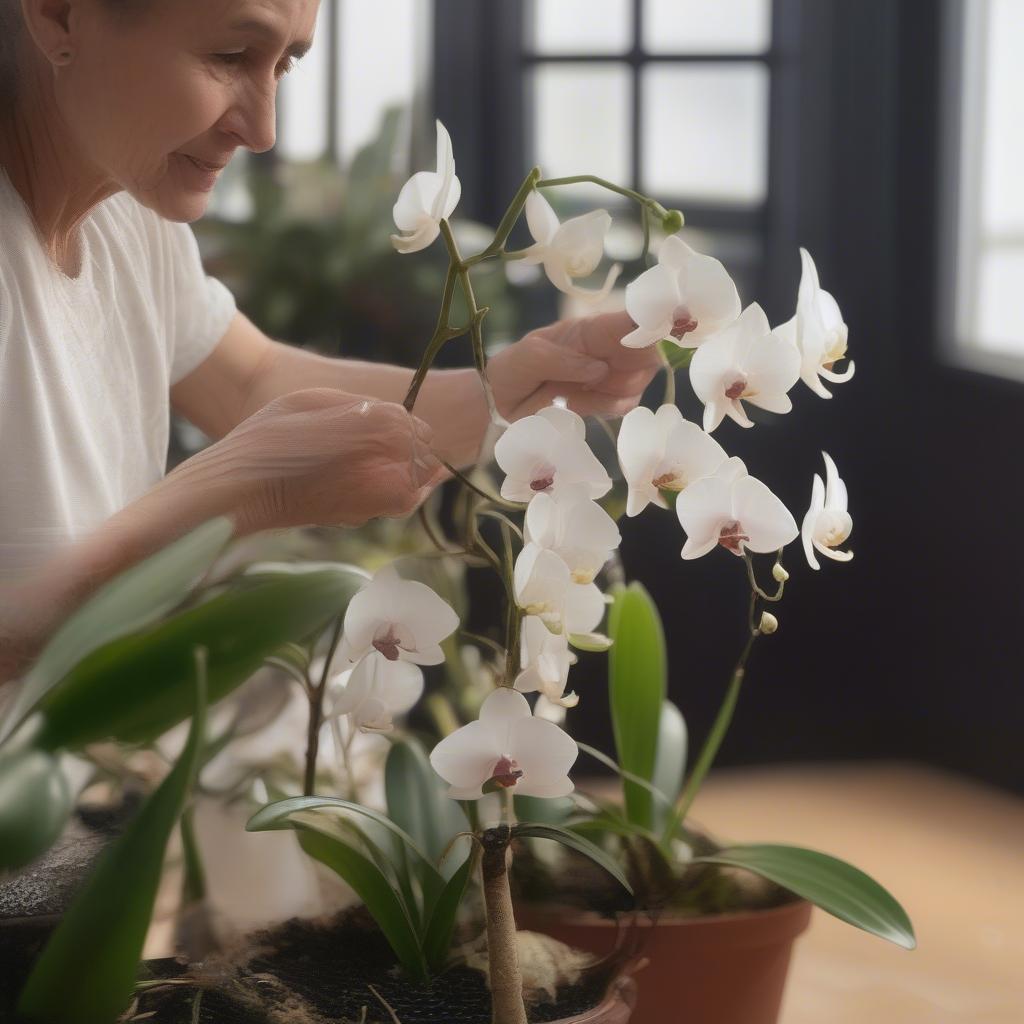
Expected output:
(261, 28)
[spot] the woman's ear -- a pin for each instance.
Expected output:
(54, 26)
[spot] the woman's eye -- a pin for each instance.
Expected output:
(231, 58)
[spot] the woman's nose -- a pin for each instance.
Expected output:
(257, 118)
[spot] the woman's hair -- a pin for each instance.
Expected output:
(12, 27)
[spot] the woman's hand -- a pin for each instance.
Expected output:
(580, 360)
(321, 457)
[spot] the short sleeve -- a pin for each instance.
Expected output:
(198, 309)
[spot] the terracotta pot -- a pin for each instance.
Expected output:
(718, 969)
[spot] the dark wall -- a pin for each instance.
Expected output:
(911, 649)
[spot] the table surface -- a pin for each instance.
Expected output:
(950, 850)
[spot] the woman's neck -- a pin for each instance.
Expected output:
(40, 158)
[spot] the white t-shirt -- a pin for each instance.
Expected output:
(86, 364)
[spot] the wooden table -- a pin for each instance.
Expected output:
(950, 850)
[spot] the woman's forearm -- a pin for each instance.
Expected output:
(451, 401)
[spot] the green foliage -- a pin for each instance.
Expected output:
(832, 884)
(637, 683)
(137, 687)
(136, 598)
(403, 889)
(35, 804)
(574, 841)
(678, 358)
(670, 762)
(87, 970)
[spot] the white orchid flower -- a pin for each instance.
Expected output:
(544, 587)
(577, 529)
(827, 523)
(508, 746)
(426, 199)
(746, 362)
(401, 619)
(374, 692)
(546, 660)
(572, 249)
(686, 298)
(818, 332)
(735, 510)
(662, 451)
(546, 452)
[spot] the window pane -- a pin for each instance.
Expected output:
(707, 26)
(302, 101)
(379, 65)
(581, 120)
(1000, 313)
(705, 132)
(1003, 202)
(582, 26)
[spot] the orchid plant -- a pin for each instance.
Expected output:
(543, 530)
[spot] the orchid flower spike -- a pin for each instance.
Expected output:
(572, 249)
(546, 452)
(546, 660)
(686, 298)
(745, 362)
(735, 510)
(575, 528)
(507, 747)
(661, 451)
(426, 199)
(373, 692)
(818, 332)
(544, 587)
(401, 619)
(827, 523)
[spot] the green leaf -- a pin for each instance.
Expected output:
(437, 938)
(678, 358)
(128, 603)
(574, 842)
(137, 687)
(35, 804)
(417, 799)
(670, 762)
(637, 672)
(374, 888)
(832, 884)
(544, 809)
(87, 970)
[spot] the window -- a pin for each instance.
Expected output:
(985, 148)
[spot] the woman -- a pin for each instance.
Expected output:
(115, 116)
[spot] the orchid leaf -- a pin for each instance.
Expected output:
(670, 761)
(574, 842)
(839, 888)
(437, 938)
(35, 804)
(131, 601)
(87, 970)
(637, 683)
(137, 687)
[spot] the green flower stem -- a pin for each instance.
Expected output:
(508, 222)
(777, 596)
(711, 745)
(316, 713)
(670, 378)
(443, 332)
(514, 618)
(494, 499)
(655, 207)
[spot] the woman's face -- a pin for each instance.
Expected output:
(192, 80)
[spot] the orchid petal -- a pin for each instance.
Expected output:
(541, 218)
(763, 517)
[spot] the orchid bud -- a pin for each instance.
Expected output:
(780, 575)
(672, 221)
(769, 624)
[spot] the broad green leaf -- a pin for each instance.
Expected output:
(374, 888)
(133, 600)
(417, 799)
(546, 810)
(137, 687)
(670, 762)
(437, 938)
(87, 970)
(35, 804)
(832, 884)
(678, 358)
(574, 842)
(636, 671)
